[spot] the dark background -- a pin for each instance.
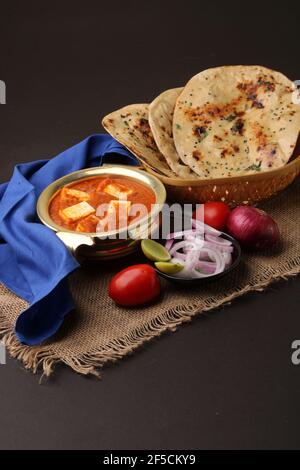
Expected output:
(225, 381)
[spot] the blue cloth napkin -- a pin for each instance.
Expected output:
(34, 263)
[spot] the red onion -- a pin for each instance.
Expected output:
(253, 228)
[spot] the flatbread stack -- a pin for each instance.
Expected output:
(227, 121)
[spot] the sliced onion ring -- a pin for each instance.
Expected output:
(202, 250)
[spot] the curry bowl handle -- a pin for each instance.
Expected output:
(73, 240)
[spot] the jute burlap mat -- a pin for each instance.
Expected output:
(98, 331)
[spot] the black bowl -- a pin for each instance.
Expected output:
(236, 257)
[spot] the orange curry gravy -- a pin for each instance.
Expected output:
(74, 206)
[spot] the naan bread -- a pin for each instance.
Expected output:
(161, 112)
(236, 120)
(130, 127)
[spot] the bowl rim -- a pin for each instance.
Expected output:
(138, 173)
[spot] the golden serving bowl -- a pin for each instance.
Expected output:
(92, 246)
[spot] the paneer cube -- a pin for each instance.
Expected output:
(116, 215)
(119, 206)
(114, 189)
(67, 193)
(76, 212)
(88, 224)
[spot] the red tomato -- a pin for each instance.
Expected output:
(215, 214)
(135, 285)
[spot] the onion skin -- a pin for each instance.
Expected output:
(253, 228)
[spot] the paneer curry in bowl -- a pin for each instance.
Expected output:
(98, 203)
(96, 207)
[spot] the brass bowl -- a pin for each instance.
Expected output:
(91, 246)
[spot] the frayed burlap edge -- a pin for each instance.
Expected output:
(43, 359)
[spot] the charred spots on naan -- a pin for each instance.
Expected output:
(224, 152)
(143, 126)
(208, 113)
(203, 114)
(230, 117)
(231, 150)
(238, 127)
(260, 137)
(253, 90)
(197, 155)
(200, 132)
(257, 104)
(248, 88)
(266, 84)
(269, 154)
(267, 151)
(168, 132)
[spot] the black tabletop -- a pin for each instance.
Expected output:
(224, 381)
